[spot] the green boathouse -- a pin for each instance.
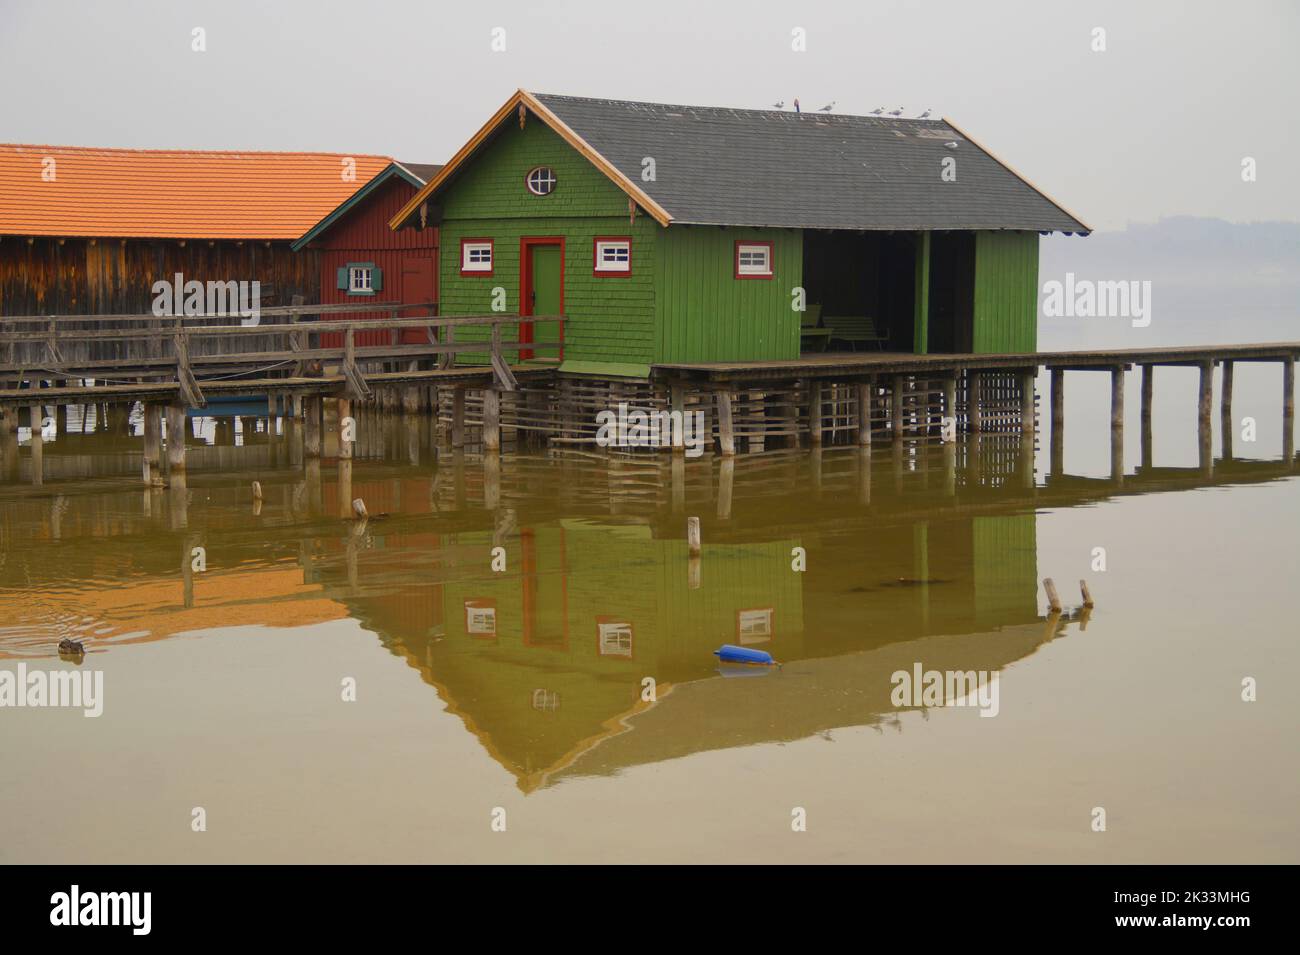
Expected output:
(668, 234)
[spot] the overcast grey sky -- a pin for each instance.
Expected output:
(1156, 125)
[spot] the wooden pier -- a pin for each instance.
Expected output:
(297, 356)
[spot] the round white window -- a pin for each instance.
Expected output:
(541, 181)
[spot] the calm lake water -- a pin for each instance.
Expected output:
(520, 693)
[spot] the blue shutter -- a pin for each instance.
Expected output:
(343, 277)
(376, 279)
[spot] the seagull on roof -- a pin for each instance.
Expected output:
(877, 111)
(779, 104)
(827, 108)
(896, 112)
(925, 115)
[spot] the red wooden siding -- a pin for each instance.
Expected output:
(363, 235)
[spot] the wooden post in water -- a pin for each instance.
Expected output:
(896, 407)
(1117, 423)
(38, 445)
(1204, 407)
(1288, 410)
(1148, 388)
(864, 390)
(1027, 402)
(152, 443)
(458, 417)
(726, 481)
(974, 413)
(311, 426)
(176, 426)
(693, 536)
(950, 401)
(1225, 409)
(726, 427)
(677, 410)
(491, 419)
(345, 413)
(1058, 422)
(1053, 599)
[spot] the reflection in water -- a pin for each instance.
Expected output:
(588, 647)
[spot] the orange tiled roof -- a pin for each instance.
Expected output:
(172, 193)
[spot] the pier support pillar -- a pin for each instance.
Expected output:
(974, 412)
(152, 470)
(1027, 402)
(1058, 422)
(347, 431)
(726, 425)
(491, 420)
(458, 418)
(1225, 410)
(1117, 423)
(896, 407)
(816, 397)
(37, 413)
(1288, 411)
(1204, 408)
(950, 401)
(176, 427)
(1148, 389)
(677, 409)
(864, 390)
(311, 426)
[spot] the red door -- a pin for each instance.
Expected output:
(417, 287)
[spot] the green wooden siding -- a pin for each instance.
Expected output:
(1005, 563)
(609, 319)
(704, 313)
(1006, 292)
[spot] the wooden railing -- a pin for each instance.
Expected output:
(286, 341)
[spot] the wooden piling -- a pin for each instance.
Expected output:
(38, 447)
(726, 425)
(896, 389)
(345, 413)
(1027, 402)
(1148, 388)
(311, 426)
(974, 411)
(1058, 422)
(726, 482)
(950, 401)
(864, 390)
(458, 418)
(152, 443)
(491, 419)
(1288, 410)
(1053, 600)
(693, 536)
(1086, 594)
(176, 427)
(816, 392)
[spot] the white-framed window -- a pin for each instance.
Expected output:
(547, 701)
(615, 638)
(612, 256)
(360, 279)
(754, 626)
(476, 256)
(541, 180)
(480, 618)
(753, 260)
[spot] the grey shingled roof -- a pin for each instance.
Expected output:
(421, 170)
(718, 166)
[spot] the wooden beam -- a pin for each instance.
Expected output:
(726, 427)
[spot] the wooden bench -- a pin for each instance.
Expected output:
(812, 337)
(853, 330)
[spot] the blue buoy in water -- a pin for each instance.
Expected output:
(731, 654)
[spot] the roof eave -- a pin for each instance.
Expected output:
(392, 169)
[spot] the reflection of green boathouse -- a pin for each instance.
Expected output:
(547, 659)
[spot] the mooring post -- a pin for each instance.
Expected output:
(176, 425)
(726, 426)
(1204, 408)
(864, 390)
(1225, 409)
(491, 419)
(693, 536)
(1148, 388)
(677, 417)
(726, 481)
(347, 429)
(1027, 401)
(1058, 422)
(152, 442)
(896, 407)
(1117, 423)
(1288, 409)
(950, 401)
(816, 396)
(458, 417)
(311, 426)
(974, 400)
(1053, 599)
(38, 445)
